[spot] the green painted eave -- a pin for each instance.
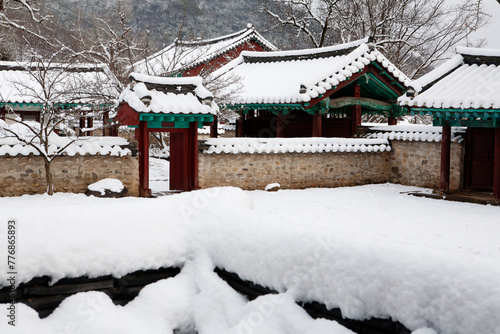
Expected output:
(275, 108)
(484, 118)
(174, 121)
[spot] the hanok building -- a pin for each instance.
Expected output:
(319, 92)
(26, 88)
(199, 57)
(465, 91)
(176, 105)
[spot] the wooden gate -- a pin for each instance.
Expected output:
(479, 159)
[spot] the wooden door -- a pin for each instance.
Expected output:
(481, 146)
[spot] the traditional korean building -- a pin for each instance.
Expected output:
(465, 91)
(318, 92)
(176, 105)
(25, 88)
(199, 57)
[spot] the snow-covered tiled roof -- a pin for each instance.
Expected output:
(61, 83)
(414, 133)
(294, 145)
(113, 146)
(469, 80)
(277, 77)
(185, 55)
(168, 95)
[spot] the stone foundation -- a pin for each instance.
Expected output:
(418, 163)
(415, 163)
(21, 175)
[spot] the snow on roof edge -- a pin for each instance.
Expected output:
(303, 52)
(197, 81)
(478, 51)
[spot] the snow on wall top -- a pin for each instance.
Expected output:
(469, 80)
(413, 133)
(55, 83)
(168, 95)
(294, 145)
(277, 77)
(184, 55)
(112, 146)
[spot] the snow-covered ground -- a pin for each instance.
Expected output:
(373, 251)
(159, 175)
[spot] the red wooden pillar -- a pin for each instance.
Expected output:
(214, 128)
(240, 131)
(356, 112)
(105, 124)
(82, 123)
(444, 181)
(392, 120)
(90, 124)
(193, 156)
(280, 126)
(316, 130)
(496, 165)
(143, 143)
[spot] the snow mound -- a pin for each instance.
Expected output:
(112, 185)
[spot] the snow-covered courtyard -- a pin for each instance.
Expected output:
(373, 251)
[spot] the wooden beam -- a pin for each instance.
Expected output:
(240, 129)
(317, 124)
(496, 165)
(361, 101)
(143, 143)
(444, 181)
(280, 126)
(341, 85)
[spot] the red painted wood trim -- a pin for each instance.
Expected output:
(444, 181)
(126, 115)
(143, 143)
(496, 168)
(316, 130)
(376, 72)
(341, 85)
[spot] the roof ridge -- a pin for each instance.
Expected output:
(314, 53)
(214, 40)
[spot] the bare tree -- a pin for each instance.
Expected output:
(414, 33)
(61, 91)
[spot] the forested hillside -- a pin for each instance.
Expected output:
(165, 18)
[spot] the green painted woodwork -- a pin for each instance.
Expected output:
(482, 118)
(180, 121)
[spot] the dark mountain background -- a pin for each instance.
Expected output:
(167, 19)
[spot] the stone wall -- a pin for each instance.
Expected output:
(418, 163)
(415, 163)
(292, 170)
(21, 175)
